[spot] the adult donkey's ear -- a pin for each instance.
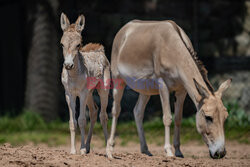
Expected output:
(80, 22)
(201, 90)
(223, 87)
(64, 22)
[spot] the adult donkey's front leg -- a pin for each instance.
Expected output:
(82, 119)
(178, 107)
(167, 117)
(71, 101)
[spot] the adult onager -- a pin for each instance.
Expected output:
(81, 64)
(162, 52)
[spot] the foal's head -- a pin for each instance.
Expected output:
(71, 39)
(211, 117)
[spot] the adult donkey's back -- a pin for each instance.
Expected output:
(160, 51)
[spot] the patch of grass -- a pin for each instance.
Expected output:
(237, 116)
(30, 127)
(50, 138)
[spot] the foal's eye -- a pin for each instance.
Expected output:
(78, 46)
(209, 119)
(61, 45)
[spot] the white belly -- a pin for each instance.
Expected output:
(141, 80)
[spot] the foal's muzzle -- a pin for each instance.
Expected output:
(68, 66)
(218, 154)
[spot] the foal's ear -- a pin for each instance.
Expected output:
(64, 22)
(80, 22)
(201, 90)
(223, 87)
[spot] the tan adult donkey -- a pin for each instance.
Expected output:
(160, 51)
(84, 69)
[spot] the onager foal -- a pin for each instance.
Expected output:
(161, 52)
(81, 64)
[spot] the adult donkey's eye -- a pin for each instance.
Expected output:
(209, 119)
(61, 45)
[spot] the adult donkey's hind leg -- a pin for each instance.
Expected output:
(178, 106)
(139, 115)
(103, 93)
(93, 117)
(116, 109)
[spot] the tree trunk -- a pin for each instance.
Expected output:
(42, 84)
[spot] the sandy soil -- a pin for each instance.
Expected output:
(195, 155)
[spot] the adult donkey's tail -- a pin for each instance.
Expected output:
(190, 48)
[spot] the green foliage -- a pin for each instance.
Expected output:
(237, 117)
(29, 121)
(30, 127)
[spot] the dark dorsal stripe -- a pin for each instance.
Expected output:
(198, 62)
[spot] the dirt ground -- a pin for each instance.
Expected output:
(195, 155)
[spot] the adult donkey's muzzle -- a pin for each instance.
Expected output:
(218, 154)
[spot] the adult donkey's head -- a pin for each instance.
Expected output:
(211, 117)
(71, 39)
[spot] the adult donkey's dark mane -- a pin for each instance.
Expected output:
(198, 62)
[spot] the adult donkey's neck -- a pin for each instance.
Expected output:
(192, 68)
(188, 71)
(79, 68)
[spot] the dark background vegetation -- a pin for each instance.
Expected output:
(31, 58)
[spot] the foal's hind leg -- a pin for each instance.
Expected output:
(93, 117)
(180, 97)
(139, 114)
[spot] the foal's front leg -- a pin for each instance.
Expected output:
(71, 101)
(93, 117)
(82, 119)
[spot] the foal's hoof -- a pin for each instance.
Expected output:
(83, 151)
(169, 153)
(179, 154)
(146, 152)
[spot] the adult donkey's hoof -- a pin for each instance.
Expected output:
(169, 152)
(109, 153)
(179, 154)
(109, 149)
(83, 151)
(146, 152)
